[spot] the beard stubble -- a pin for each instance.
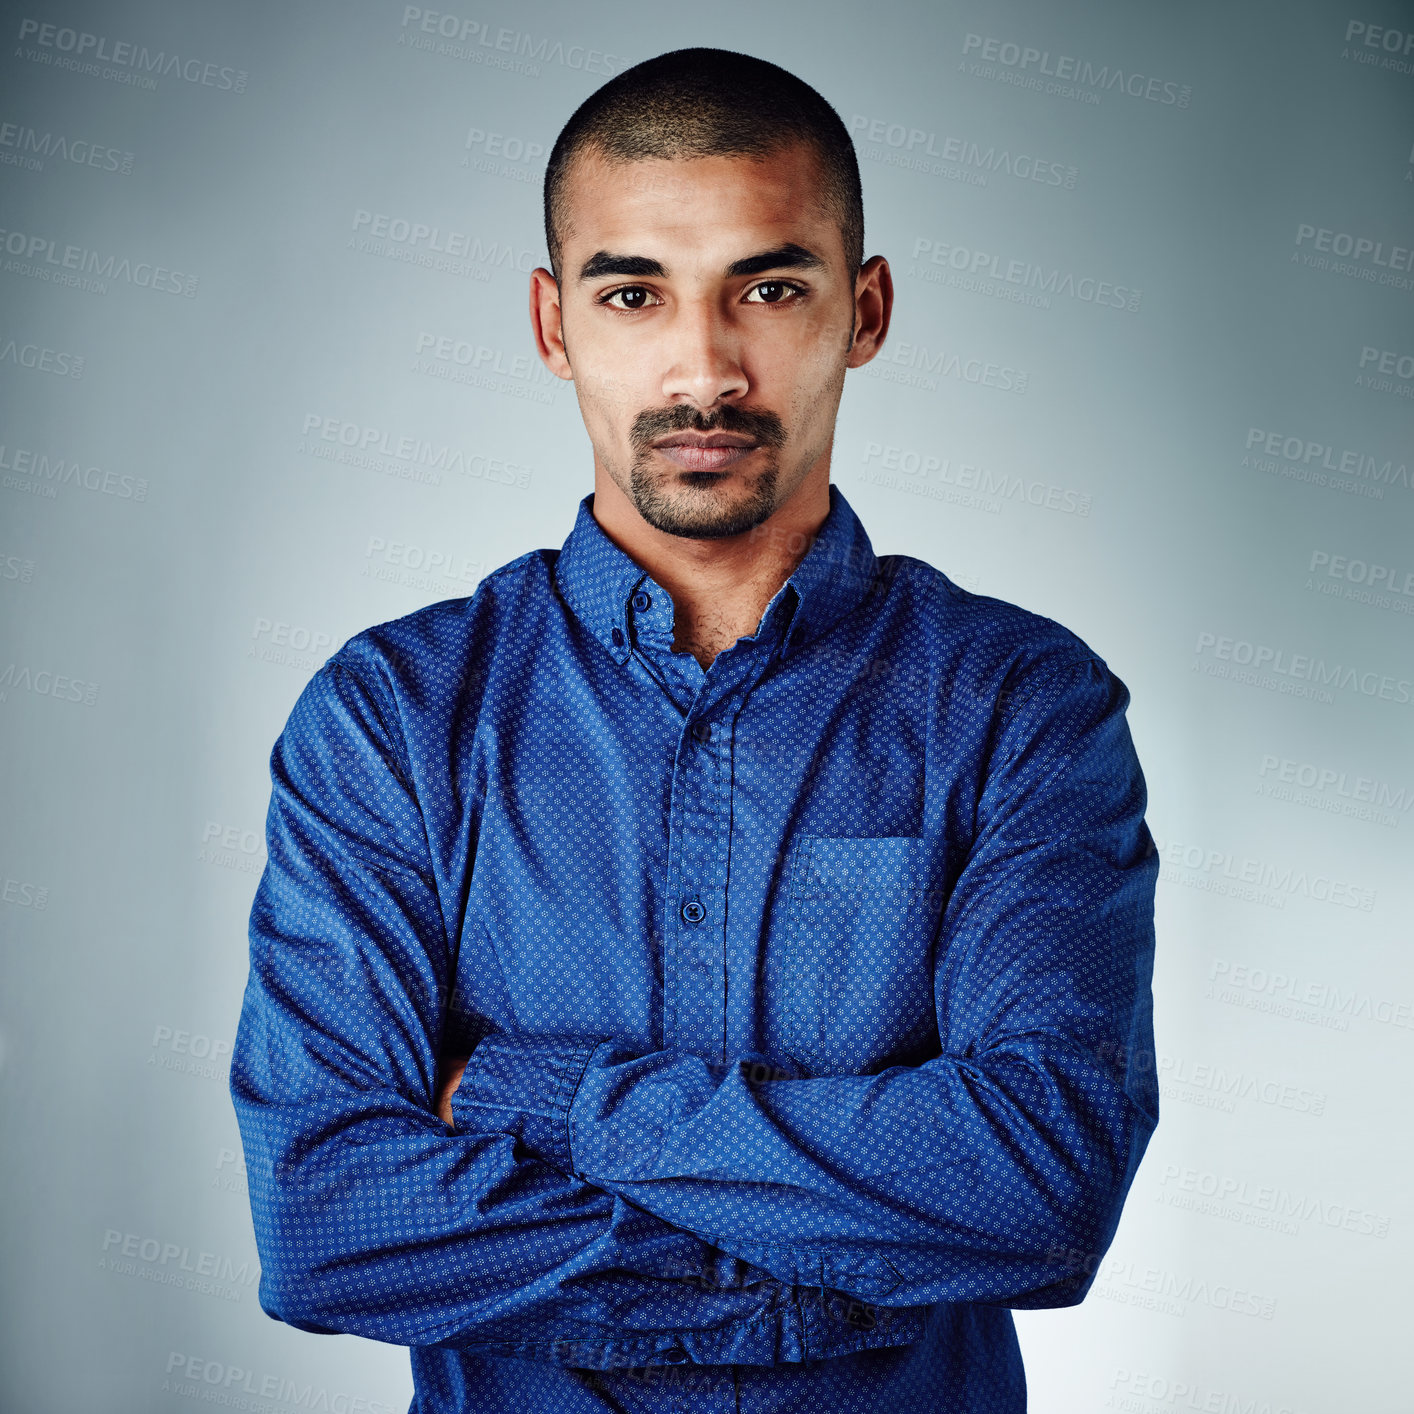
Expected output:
(675, 512)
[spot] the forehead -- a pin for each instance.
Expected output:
(698, 207)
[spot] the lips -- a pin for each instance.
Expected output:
(711, 451)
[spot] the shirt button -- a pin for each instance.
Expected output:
(618, 637)
(642, 602)
(674, 1357)
(693, 912)
(702, 730)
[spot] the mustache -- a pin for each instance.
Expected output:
(760, 423)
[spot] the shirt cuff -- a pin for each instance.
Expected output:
(523, 1086)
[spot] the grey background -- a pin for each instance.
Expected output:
(184, 538)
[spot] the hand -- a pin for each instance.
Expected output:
(449, 1075)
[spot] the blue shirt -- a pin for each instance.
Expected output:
(809, 994)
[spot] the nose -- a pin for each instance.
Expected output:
(703, 365)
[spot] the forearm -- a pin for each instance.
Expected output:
(953, 1181)
(371, 1219)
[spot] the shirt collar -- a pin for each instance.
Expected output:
(598, 580)
(836, 575)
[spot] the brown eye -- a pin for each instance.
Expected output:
(773, 292)
(630, 297)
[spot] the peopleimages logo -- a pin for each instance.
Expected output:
(503, 155)
(68, 48)
(417, 567)
(1323, 464)
(1356, 257)
(41, 473)
(1364, 581)
(1133, 1391)
(230, 847)
(918, 366)
(1216, 1088)
(434, 247)
(1257, 880)
(1305, 999)
(1389, 362)
(26, 147)
(479, 365)
(20, 677)
(922, 150)
(1274, 1202)
(409, 458)
(20, 894)
(59, 362)
(436, 31)
(1387, 370)
(930, 473)
(1064, 75)
(1299, 674)
(1174, 1294)
(1379, 46)
(289, 645)
(1021, 280)
(217, 1382)
(42, 257)
(16, 567)
(1334, 791)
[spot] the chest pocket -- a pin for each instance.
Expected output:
(853, 968)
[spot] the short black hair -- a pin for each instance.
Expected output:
(708, 103)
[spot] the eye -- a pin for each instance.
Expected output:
(632, 297)
(774, 292)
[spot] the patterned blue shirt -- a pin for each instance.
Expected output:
(807, 995)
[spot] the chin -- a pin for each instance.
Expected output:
(706, 515)
(703, 505)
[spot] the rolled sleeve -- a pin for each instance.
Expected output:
(528, 1085)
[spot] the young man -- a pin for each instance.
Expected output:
(792, 905)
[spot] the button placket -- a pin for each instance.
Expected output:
(695, 961)
(695, 953)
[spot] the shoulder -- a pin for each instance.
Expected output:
(1032, 689)
(445, 647)
(984, 638)
(408, 683)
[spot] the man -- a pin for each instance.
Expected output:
(792, 905)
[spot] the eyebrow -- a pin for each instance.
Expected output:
(602, 263)
(785, 257)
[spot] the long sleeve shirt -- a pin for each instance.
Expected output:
(807, 995)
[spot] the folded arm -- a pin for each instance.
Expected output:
(994, 1172)
(370, 1216)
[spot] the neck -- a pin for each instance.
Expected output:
(720, 588)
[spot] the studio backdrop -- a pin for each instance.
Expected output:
(268, 379)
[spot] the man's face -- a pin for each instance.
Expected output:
(707, 316)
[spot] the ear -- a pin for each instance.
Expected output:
(873, 308)
(547, 323)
